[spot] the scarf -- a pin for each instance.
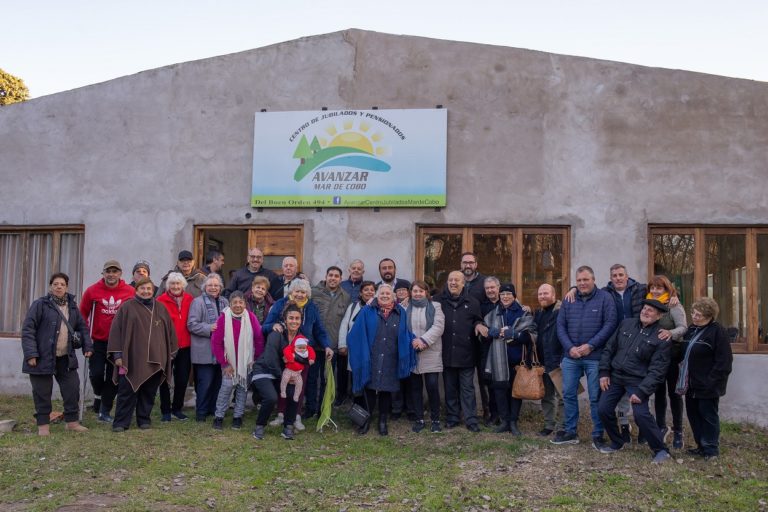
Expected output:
(59, 301)
(242, 358)
(423, 303)
(146, 302)
(663, 298)
(497, 363)
(681, 387)
(301, 304)
(176, 298)
(386, 310)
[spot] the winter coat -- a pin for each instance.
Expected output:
(476, 288)
(505, 317)
(270, 362)
(250, 303)
(40, 331)
(430, 360)
(203, 314)
(590, 319)
(243, 278)
(377, 362)
(710, 361)
(102, 302)
(332, 309)
(462, 314)
(311, 324)
(632, 300)
(179, 315)
(217, 338)
(635, 356)
(352, 288)
(548, 346)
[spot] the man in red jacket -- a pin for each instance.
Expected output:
(99, 306)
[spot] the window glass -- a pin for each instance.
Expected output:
(10, 281)
(494, 255)
(542, 263)
(727, 281)
(442, 254)
(673, 256)
(762, 288)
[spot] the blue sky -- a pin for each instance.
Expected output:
(56, 46)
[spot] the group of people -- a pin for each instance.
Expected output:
(388, 342)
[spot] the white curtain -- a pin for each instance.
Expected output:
(10, 282)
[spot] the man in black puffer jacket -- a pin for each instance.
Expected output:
(634, 361)
(550, 353)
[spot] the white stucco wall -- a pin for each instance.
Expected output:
(533, 138)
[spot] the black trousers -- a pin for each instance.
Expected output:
(645, 421)
(141, 401)
(417, 384)
(459, 386)
(704, 417)
(342, 378)
(384, 401)
(101, 369)
(182, 366)
(265, 394)
(314, 384)
(42, 388)
(401, 400)
(667, 389)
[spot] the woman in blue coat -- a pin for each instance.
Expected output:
(49, 344)
(380, 353)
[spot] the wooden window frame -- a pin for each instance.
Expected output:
(699, 232)
(517, 231)
(25, 231)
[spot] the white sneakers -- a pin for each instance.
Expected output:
(278, 421)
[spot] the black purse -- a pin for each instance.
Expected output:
(358, 414)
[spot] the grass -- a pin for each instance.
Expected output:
(185, 466)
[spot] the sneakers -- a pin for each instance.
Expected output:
(697, 452)
(118, 429)
(277, 421)
(545, 432)
(258, 432)
(145, 426)
(104, 417)
(418, 426)
(598, 442)
(626, 433)
(661, 457)
(677, 440)
(166, 417)
(237, 423)
(473, 428)
(504, 427)
(563, 437)
(180, 416)
(218, 423)
(435, 429)
(610, 448)
(710, 458)
(641, 439)
(298, 424)
(287, 433)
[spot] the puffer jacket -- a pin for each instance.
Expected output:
(635, 356)
(547, 344)
(311, 324)
(634, 293)
(710, 361)
(40, 331)
(590, 319)
(462, 314)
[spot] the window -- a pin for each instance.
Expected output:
(723, 263)
(528, 256)
(28, 257)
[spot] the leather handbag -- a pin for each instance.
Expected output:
(358, 414)
(529, 382)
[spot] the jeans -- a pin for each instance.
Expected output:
(225, 398)
(552, 405)
(459, 386)
(573, 369)
(69, 385)
(207, 384)
(182, 366)
(645, 421)
(704, 418)
(430, 380)
(101, 370)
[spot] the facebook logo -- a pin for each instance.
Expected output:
(336, 199)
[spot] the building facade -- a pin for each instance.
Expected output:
(553, 162)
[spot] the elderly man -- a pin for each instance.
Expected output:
(550, 353)
(281, 283)
(243, 277)
(583, 328)
(99, 306)
(635, 361)
(185, 265)
(463, 323)
(354, 282)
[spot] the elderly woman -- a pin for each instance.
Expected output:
(366, 293)
(704, 376)
(177, 302)
(300, 293)
(266, 374)
(510, 328)
(203, 313)
(673, 327)
(258, 300)
(380, 353)
(142, 343)
(51, 331)
(426, 321)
